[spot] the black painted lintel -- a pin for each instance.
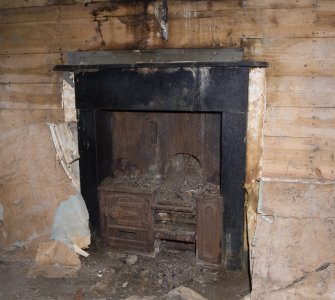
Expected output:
(96, 67)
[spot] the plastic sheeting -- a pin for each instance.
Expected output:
(70, 224)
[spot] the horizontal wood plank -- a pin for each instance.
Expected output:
(101, 11)
(301, 91)
(289, 157)
(29, 68)
(47, 37)
(300, 122)
(217, 29)
(275, 4)
(325, 18)
(226, 28)
(311, 199)
(204, 5)
(16, 118)
(43, 96)
(36, 3)
(294, 56)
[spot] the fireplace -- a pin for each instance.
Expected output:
(165, 183)
(137, 122)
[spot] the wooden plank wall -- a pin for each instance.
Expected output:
(297, 38)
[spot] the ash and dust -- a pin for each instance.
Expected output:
(111, 275)
(182, 183)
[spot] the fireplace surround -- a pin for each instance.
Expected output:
(187, 87)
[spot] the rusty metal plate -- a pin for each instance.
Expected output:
(126, 220)
(209, 230)
(130, 238)
(126, 209)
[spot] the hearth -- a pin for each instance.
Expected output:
(180, 208)
(124, 113)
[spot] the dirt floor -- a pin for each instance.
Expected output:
(110, 275)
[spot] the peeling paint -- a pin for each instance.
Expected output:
(152, 70)
(255, 124)
(68, 99)
(254, 153)
(204, 81)
(66, 150)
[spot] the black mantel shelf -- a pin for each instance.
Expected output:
(90, 67)
(156, 58)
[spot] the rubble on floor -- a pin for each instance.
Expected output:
(115, 276)
(180, 293)
(55, 260)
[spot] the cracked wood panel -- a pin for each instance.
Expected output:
(297, 237)
(17, 118)
(288, 157)
(319, 284)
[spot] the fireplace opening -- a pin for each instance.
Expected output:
(163, 182)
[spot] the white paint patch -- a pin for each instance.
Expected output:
(204, 80)
(192, 70)
(68, 99)
(256, 109)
